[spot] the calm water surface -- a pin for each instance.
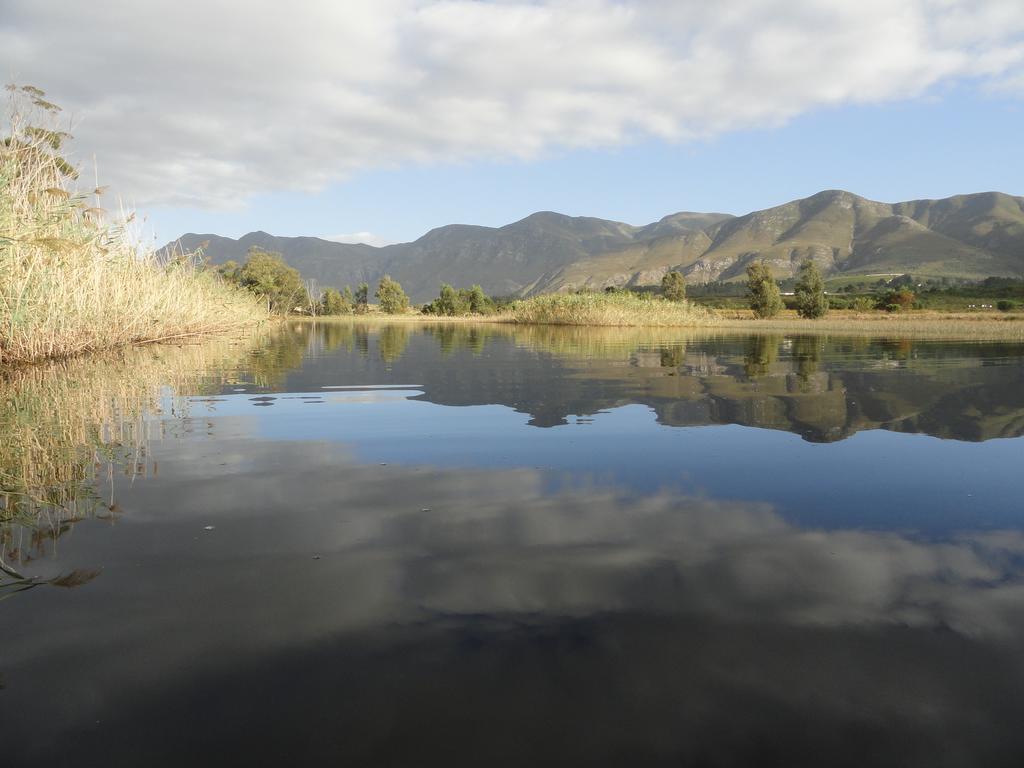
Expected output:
(410, 546)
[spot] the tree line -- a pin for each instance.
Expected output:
(267, 275)
(281, 286)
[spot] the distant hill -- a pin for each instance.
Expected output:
(967, 236)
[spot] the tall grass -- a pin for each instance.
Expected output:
(609, 309)
(917, 324)
(70, 280)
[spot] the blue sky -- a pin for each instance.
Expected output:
(953, 141)
(394, 116)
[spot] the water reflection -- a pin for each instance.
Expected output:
(411, 614)
(69, 427)
(821, 388)
(350, 543)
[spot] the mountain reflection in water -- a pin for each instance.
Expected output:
(822, 388)
(301, 553)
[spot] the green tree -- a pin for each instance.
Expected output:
(673, 286)
(811, 301)
(449, 302)
(477, 301)
(333, 302)
(392, 298)
(762, 291)
(266, 274)
(362, 299)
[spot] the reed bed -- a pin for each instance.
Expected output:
(70, 280)
(606, 309)
(917, 324)
(598, 311)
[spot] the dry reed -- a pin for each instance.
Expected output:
(606, 309)
(71, 281)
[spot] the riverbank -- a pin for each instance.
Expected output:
(75, 279)
(919, 324)
(946, 325)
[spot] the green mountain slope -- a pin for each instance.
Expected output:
(967, 236)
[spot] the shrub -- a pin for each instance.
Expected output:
(392, 298)
(673, 286)
(464, 301)
(477, 301)
(897, 301)
(1005, 306)
(334, 302)
(362, 299)
(269, 277)
(811, 301)
(449, 302)
(763, 294)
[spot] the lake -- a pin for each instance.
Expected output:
(415, 545)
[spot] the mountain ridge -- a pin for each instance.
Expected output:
(968, 236)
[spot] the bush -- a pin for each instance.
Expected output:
(479, 303)
(464, 301)
(392, 298)
(449, 303)
(811, 301)
(334, 302)
(269, 277)
(1005, 306)
(362, 299)
(763, 294)
(897, 301)
(673, 286)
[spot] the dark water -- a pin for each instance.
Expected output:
(478, 546)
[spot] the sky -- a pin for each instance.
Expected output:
(377, 120)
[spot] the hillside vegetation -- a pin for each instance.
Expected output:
(847, 236)
(71, 282)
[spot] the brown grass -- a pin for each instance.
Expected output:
(948, 325)
(70, 281)
(927, 324)
(604, 309)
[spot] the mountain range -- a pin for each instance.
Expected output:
(967, 236)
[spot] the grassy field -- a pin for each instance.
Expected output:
(586, 309)
(951, 325)
(598, 310)
(70, 281)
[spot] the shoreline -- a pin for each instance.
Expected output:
(939, 325)
(932, 325)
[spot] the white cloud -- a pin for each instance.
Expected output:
(210, 103)
(360, 237)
